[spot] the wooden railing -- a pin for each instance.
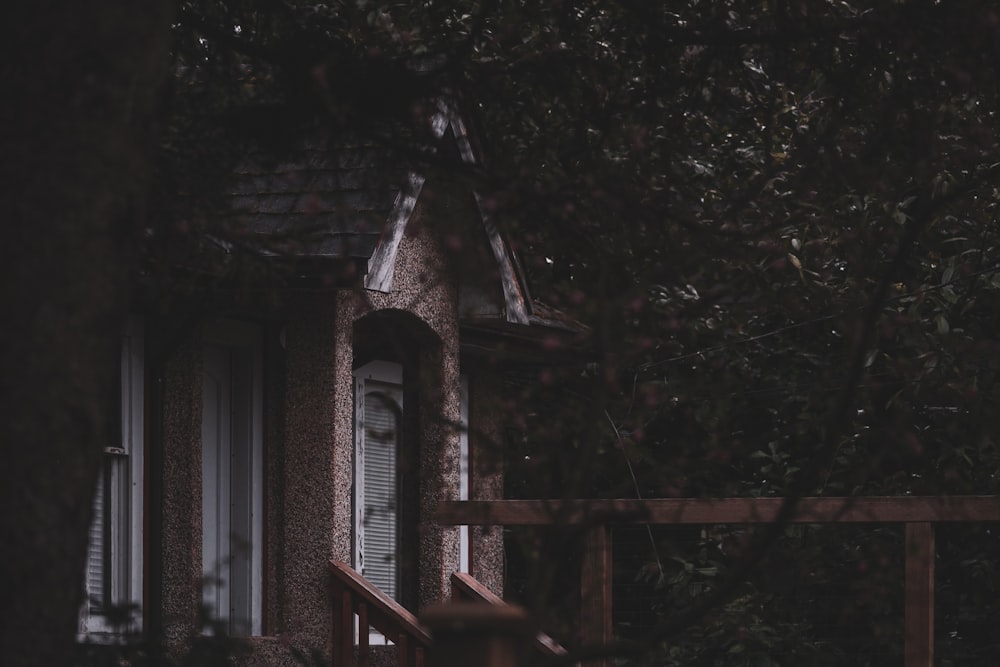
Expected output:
(354, 597)
(918, 514)
(464, 588)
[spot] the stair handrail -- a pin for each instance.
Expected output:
(355, 596)
(465, 587)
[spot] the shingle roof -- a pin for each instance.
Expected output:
(327, 200)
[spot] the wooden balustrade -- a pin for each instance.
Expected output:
(355, 597)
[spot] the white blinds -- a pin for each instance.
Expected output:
(380, 520)
(96, 565)
(114, 552)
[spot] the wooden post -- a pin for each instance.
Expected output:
(595, 589)
(402, 651)
(345, 650)
(335, 612)
(480, 635)
(919, 619)
(363, 631)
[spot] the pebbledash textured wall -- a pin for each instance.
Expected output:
(180, 561)
(308, 452)
(423, 288)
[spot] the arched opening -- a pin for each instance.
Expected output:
(397, 386)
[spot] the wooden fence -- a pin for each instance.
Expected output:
(918, 514)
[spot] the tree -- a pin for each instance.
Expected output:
(793, 206)
(776, 220)
(80, 84)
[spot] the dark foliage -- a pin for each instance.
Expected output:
(777, 221)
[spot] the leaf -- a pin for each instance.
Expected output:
(942, 324)
(949, 273)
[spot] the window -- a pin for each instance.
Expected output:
(113, 581)
(381, 453)
(378, 395)
(465, 543)
(232, 478)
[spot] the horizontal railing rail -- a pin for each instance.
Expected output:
(674, 511)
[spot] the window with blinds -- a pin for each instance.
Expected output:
(113, 580)
(378, 439)
(381, 510)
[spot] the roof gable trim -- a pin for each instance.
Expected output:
(380, 267)
(515, 303)
(383, 260)
(445, 118)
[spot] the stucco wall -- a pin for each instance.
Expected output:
(423, 288)
(486, 438)
(315, 524)
(181, 503)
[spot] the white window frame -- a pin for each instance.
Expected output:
(220, 550)
(390, 374)
(465, 544)
(389, 377)
(118, 519)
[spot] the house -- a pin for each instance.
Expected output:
(266, 431)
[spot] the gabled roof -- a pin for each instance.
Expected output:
(335, 201)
